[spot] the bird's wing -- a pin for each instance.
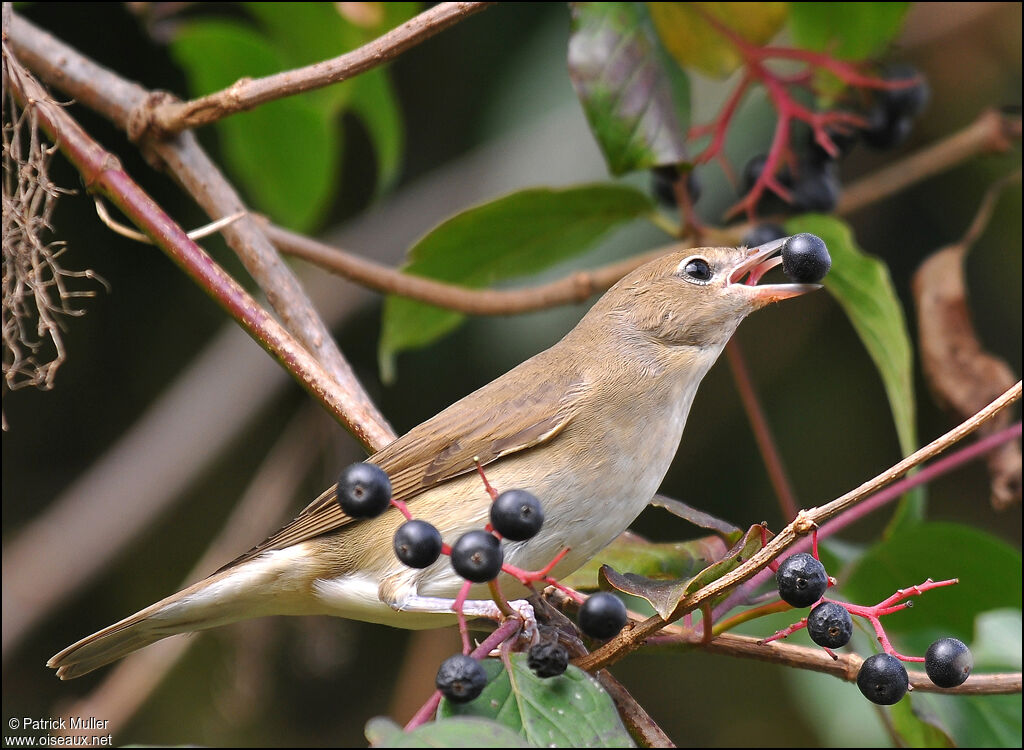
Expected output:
(522, 409)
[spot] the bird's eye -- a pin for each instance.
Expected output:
(697, 270)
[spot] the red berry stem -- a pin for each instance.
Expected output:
(403, 509)
(487, 485)
(887, 607)
(500, 635)
(529, 577)
(788, 108)
(460, 600)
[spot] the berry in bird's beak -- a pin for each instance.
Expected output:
(762, 259)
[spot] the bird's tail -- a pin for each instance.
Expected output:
(227, 596)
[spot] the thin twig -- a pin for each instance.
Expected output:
(991, 132)
(876, 501)
(805, 522)
(845, 667)
(126, 231)
(641, 726)
(762, 431)
(102, 173)
(983, 214)
(577, 287)
(173, 117)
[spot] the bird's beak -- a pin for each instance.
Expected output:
(758, 262)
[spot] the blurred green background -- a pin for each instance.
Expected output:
(487, 107)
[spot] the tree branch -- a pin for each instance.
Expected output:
(169, 118)
(641, 726)
(805, 522)
(577, 287)
(845, 667)
(991, 132)
(102, 173)
(118, 99)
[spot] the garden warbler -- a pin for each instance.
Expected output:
(589, 426)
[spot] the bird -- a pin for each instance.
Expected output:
(589, 426)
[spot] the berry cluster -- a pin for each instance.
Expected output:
(799, 172)
(364, 491)
(802, 582)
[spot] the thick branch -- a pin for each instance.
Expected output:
(804, 523)
(102, 173)
(118, 99)
(173, 117)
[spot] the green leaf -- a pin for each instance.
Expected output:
(286, 152)
(862, 286)
(983, 720)
(989, 571)
(571, 710)
(654, 560)
(375, 102)
(513, 236)
(307, 33)
(918, 727)
(665, 596)
(696, 43)
(636, 100)
(852, 31)
(459, 732)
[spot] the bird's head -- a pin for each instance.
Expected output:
(695, 297)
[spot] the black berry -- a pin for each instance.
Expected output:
(602, 615)
(910, 100)
(364, 490)
(830, 625)
(948, 662)
(816, 188)
(516, 515)
(883, 679)
(805, 258)
(802, 580)
(548, 658)
(885, 129)
(461, 678)
(663, 180)
(762, 233)
(477, 556)
(417, 543)
(752, 171)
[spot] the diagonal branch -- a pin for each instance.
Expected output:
(170, 118)
(118, 100)
(102, 173)
(805, 522)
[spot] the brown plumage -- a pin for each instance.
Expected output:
(589, 426)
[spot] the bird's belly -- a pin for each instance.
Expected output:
(586, 507)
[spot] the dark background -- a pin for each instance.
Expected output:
(316, 681)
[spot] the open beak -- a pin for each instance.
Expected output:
(758, 262)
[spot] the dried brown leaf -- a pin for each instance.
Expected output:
(962, 376)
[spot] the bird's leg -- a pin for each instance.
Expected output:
(464, 607)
